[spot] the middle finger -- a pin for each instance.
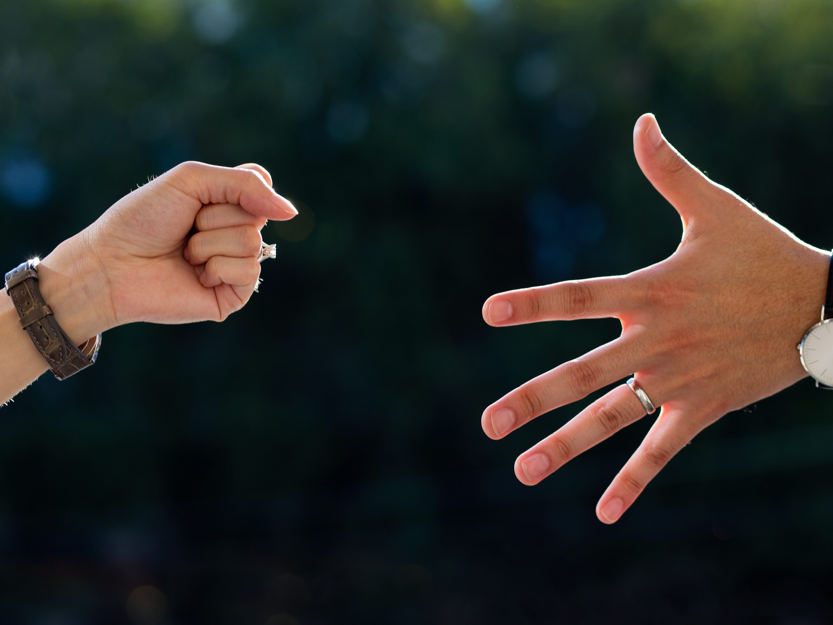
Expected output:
(565, 384)
(600, 420)
(237, 242)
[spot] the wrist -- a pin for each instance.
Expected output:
(74, 284)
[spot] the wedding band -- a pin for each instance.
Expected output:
(267, 251)
(642, 396)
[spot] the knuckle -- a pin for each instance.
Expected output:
(533, 304)
(252, 177)
(250, 239)
(197, 246)
(673, 290)
(674, 164)
(253, 270)
(611, 418)
(530, 402)
(263, 173)
(212, 268)
(683, 339)
(582, 378)
(631, 483)
(579, 299)
(657, 457)
(187, 169)
(205, 219)
(563, 450)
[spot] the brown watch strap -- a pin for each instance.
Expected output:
(64, 358)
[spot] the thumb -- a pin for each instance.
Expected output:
(246, 187)
(679, 182)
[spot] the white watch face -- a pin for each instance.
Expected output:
(816, 351)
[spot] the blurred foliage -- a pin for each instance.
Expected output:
(318, 457)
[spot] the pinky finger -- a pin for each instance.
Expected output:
(226, 270)
(671, 432)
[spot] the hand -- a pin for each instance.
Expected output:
(182, 248)
(711, 329)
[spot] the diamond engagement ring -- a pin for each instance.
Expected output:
(267, 251)
(641, 395)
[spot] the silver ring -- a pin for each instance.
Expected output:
(641, 395)
(267, 251)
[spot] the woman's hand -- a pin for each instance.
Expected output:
(709, 330)
(182, 248)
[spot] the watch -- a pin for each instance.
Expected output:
(816, 348)
(36, 318)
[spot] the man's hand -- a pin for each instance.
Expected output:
(182, 248)
(709, 330)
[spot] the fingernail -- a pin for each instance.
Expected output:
(535, 466)
(499, 310)
(612, 509)
(653, 132)
(286, 202)
(502, 421)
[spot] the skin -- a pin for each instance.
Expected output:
(181, 249)
(711, 329)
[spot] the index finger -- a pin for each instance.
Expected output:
(212, 184)
(259, 169)
(595, 298)
(217, 216)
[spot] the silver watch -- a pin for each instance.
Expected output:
(816, 348)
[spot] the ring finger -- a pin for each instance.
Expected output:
(601, 419)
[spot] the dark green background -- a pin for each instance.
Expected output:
(318, 458)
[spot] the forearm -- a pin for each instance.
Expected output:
(71, 284)
(20, 361)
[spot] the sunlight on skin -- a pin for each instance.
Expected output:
(693, 332)
(140, 261)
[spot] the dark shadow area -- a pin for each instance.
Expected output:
(318, 458)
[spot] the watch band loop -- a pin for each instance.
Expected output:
(35, 315)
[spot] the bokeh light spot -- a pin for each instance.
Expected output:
(298, 228)
(483, 6)
(25, 181)
(216, 21)
(146, 606)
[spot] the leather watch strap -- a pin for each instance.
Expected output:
(64, 358)
(828, 302)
